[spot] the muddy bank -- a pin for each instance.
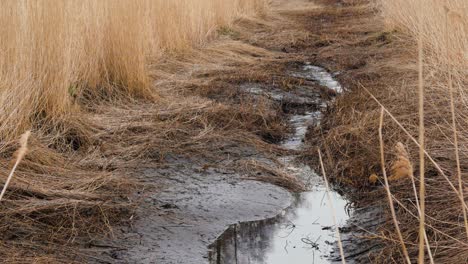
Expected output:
(303, 232)
(176, 223)
(216, 214)
(193, 204)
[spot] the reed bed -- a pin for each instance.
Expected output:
(54, 53)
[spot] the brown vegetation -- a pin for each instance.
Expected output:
(379, 69)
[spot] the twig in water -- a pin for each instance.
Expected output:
(313, 244)
(340, 245)
(286, 246)
(291, 226)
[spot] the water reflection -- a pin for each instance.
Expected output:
(319, 74)
(302, 234)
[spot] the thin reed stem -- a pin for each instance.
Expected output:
(389, 194)
(332, 209)
(428, 248)
(422, 182)
(454, 122)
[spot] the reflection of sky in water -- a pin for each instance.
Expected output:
(297, 237)
(324, 78)
(320, 75)
(300, 124)
(306, 239)
(302, 234)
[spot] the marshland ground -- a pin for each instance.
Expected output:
(124, 125)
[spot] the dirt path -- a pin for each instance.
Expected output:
(176, 224)
(191, 205)
(188, 202)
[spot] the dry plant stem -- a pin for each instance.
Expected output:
(429, 253)
(412, 179)
(454, 124)
(430, 226)
(389, 194)
(340, 245)
(422, 186)
(19, 156)
(436, 165)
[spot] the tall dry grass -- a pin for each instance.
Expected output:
(404, 15)
(441, 28)
(55, 52)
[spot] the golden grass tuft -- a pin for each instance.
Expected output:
(401, 167)
(373, 178)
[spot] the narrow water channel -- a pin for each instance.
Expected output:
(304, 232)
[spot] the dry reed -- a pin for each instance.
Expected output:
(79, 74)
(422, 182)
(383, 57)
(332, 209)
(55, 53)
(454, 121)
(19, 155)
(387, 188)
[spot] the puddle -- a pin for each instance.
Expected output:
(320, 75)
(301, 234)
(252, 89)
(300, 123)
(304, 232)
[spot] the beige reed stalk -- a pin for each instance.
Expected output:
(428, 247)
(389, 194)
(454, 123)
(332, 209)
(19, 156)
(422, 186)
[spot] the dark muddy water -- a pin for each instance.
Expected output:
(304, 232)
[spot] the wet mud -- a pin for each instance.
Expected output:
(303, 232)
(176, 223)
(198, 214)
